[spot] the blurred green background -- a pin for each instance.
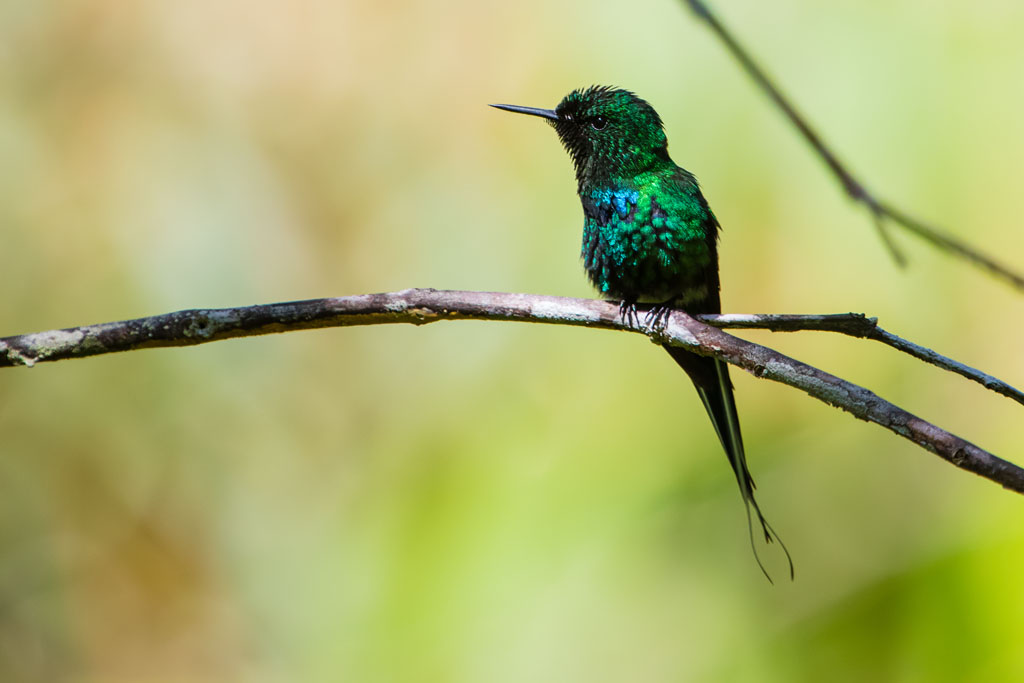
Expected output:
(478, 501)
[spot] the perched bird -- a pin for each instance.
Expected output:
(650, 237)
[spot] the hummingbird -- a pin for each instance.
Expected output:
(649, 237)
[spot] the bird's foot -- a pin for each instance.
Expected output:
(628, 314)
(657, 318)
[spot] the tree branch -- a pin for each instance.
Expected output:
(859, 325)
(421, 306)
(881, 211)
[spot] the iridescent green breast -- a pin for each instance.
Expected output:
(649, 239)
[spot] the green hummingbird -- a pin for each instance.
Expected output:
(650, 237)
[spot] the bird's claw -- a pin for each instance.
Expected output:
(657, 318)
(628, 314)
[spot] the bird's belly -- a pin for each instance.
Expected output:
(643, 265)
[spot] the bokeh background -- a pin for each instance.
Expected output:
(481, 501)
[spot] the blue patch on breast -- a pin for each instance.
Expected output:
(622, 199)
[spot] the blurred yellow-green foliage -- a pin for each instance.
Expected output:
(478, 501)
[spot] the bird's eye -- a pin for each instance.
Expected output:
(599, 123)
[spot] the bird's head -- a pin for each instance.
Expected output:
(607, 131)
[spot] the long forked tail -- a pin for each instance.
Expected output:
(711, 378)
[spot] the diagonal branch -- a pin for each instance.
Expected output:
(421, 306)
(858, 325)
(881, 211)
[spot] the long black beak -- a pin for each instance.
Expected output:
(532, 111)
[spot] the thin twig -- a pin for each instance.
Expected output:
(929, 356)
(881, 211)
(420, 306)
(853, 324)
(859, 325)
